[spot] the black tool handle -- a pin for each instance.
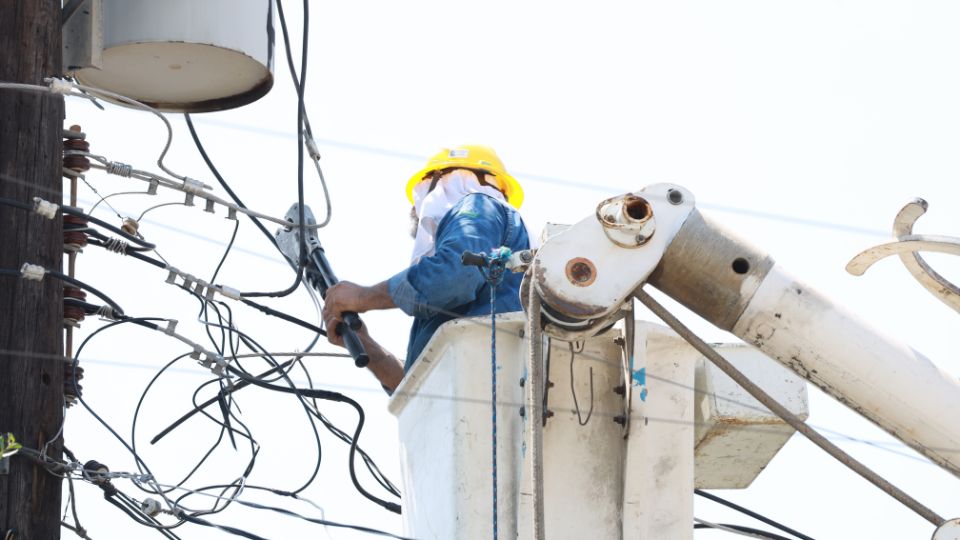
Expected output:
(352, 319)
(352, 342)
(470, 258)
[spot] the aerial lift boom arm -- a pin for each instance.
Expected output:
(657, 236)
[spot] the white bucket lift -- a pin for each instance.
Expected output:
(693, 427)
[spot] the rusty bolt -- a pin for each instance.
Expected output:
(581, 271)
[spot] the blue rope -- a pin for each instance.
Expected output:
(493, 379)
(494, 276)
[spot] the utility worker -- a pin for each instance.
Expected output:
(463, 200)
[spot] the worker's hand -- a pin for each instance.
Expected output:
(337, 339)
(344, 296)
(347, 296)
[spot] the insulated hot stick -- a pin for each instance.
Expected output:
(320, 275)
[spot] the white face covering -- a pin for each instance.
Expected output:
(432, 206)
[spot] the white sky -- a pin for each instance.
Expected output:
(803, 127)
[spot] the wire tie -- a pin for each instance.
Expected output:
(154, 184)
(106, 312)
(196, 354)
(32, 272)
(201, 285)
(119, 169)
(171, 327)
(172, 276)
(209, 207)
(45, 208)
(232, 213)
(59, 86)
(188, 200)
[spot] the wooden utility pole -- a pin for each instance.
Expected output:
(31, 313)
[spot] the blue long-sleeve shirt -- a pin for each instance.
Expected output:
(439, 288)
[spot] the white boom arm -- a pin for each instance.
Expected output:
(657, 236)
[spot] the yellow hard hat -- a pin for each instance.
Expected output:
(475, 157)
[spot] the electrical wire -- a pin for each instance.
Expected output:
(93, 219)
(72, 281)
(750, 513)
(300, 85)
(69, 210)
(331, 396)
(77, 528)
(739, 530)
(103, 199)
(161, 205)
(224, 392)
(142, 321)
(136, 415)
(879, 445)
(250, 342)
(232, 530)
(321, 521)
(343, 436)
(314, 153)
(124, 100)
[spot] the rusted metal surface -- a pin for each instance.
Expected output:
(627, 220)
(581, 271)
(561, 304)
(710, 271)
(585, 277)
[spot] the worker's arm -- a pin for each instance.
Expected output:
(384, 366)
(440, 281)
(348, 296)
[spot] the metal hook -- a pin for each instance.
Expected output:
(906, 247)
(580, 419)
